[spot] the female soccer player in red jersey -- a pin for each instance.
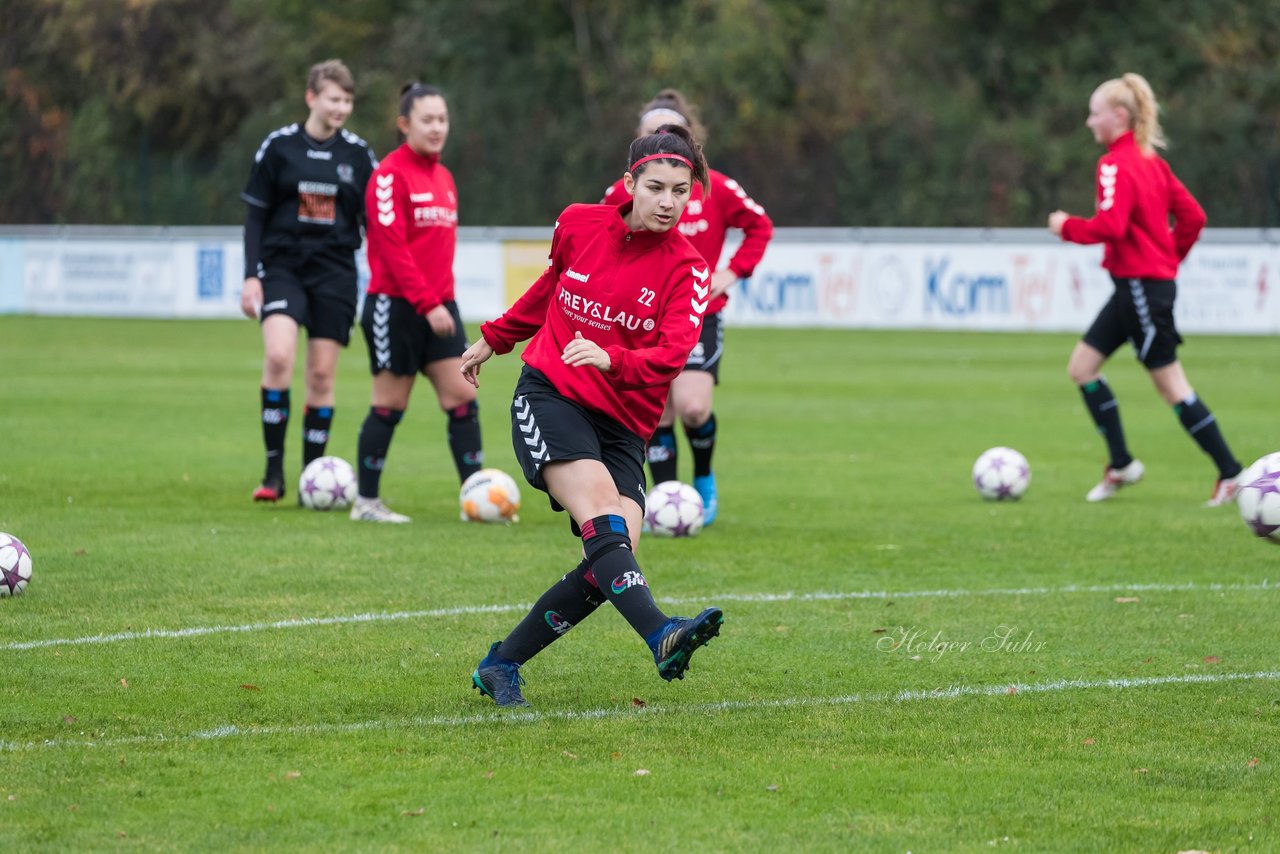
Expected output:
(706, 220)
(1137, 193)
(410, 320)
(305, 201)
(612, 321)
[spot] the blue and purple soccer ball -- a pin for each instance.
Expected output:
(327, 483)
(15, 566)
(1001, 474)
(1258, 497)
(673, 509)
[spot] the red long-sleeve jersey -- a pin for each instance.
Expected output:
(412, 206)
(638, 294)
(1137, 192)
(706, 221)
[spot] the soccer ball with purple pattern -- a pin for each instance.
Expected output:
(1258, 498)
(673, 509)
(15, 566)
(1001, 474)
(327, 483)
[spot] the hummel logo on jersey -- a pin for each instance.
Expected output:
(1107, 173)
(421, 197)
(386, 205)
(574, 274)
(319, 155)
(701, 292)
(532, 434)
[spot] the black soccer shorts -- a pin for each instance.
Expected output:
(401, 340)
(547, 427)
(1139, 311)
(705, 355)
(318, 292)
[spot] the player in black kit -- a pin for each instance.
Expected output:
(306, 207)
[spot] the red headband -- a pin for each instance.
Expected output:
(661, 156)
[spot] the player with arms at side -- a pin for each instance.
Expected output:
(612, 321)
(305, 201)
(1137, 193)
(705, 222)
(411, 322)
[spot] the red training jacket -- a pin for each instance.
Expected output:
(412, 206)
(1136, 194)
(638, 294)
(706, 221)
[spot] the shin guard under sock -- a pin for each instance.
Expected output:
(1201, 424)
(662, 454)
(565, 604)
(612, 563)
(275, 424)
(464, 439)
(1105, 410)
(316, 422)
(375, 439)
(703, 442)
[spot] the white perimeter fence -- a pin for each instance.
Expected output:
(977, 279)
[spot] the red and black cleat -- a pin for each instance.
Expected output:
(271, 490)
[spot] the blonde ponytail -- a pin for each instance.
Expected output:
(1134, 93)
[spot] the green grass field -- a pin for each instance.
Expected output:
(188, 671)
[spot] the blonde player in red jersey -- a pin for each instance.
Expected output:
(706, 221)
(1137, 193)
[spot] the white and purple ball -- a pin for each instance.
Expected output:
(327, 483)
(1266, 464)
(15, 566)
(1001, 474)
(1259, 505)
(673, 509)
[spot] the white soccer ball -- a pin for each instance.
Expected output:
(15, 566)
(327, 483)
(490, 495)
(1001, 474)
(1258, 498)
(673, 509)
(1266, 464)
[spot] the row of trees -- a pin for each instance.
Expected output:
(835, 112)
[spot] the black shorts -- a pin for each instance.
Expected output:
(318, 292)
(547, 427)
(1140, 311)
(401, 341)
(705, 355)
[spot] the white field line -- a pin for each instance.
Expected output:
(393, 616)
(535, 717)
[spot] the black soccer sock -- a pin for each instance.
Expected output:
(316, 422)
(1105, 410)
(703, 442)
(275, 423)
(565, 604)
(616, 573)
(375, 438)
(1203, 427)
(464, 438)
(662, 454)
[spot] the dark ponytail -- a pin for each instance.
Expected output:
(411, 92)
(671, 139)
